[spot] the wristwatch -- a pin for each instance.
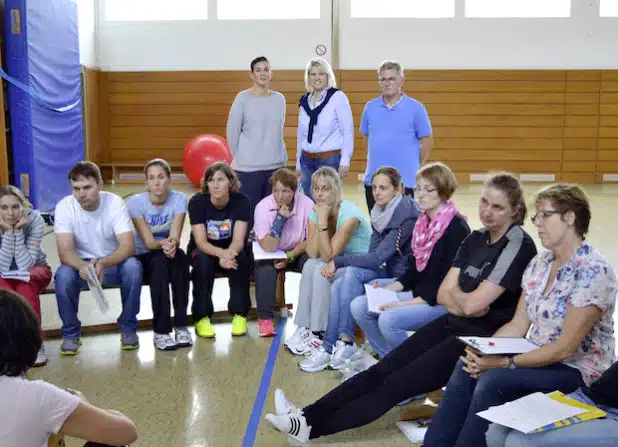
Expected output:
(512, 364)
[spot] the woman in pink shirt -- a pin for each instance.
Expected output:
(281, 222)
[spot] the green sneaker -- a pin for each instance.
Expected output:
(204, 328)
(239, 325)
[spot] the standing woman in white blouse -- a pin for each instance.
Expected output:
(325, 125)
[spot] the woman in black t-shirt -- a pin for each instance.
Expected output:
(219, 217)
(480, 292)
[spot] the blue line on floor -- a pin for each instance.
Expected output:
(260, 398)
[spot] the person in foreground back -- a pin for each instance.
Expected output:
(480, 292)
(93, 230)
(33, 410)
(566, 308)
(602, 393)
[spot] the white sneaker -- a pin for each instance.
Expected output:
(317, 361)
(164, 342)
(309, 343)
(41, 357)
(183, 337)
(298, 335)
(293, 426)
(283, 405)
(346, 352)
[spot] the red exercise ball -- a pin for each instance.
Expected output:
(201, 152)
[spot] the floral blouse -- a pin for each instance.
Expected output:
(586, 279)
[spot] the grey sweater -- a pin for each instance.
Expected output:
(255, 132)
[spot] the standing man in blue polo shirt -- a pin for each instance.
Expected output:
(396, 130)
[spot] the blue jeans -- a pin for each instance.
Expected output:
(387, 330)
(456, 423)
(598, 432)
(349, 282)
(68, 283)
(309, 166)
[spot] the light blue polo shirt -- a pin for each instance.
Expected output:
(394, 136)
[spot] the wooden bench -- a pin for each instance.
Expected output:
(147, 323)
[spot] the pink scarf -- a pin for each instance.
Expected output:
(427, 233)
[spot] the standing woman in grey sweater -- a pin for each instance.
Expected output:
(255, 134)
(23, 264)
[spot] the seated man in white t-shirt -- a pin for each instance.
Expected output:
(93, 227)
(32, 411)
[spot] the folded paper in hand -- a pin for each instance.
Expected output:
(259, 254)
(97, 291)
(378, 296)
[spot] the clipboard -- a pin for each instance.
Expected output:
(499, 345)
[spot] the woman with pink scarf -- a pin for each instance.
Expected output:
(438, 232)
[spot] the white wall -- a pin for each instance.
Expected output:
(210, 44)
(582, 41)
(87, 25)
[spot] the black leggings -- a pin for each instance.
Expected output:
(160, 272)
(423, 363)
(205, 267)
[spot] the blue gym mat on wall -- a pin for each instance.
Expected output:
(44, 74)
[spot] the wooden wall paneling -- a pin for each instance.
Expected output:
(581, 121)
(607, 154)
(92, 109)
(537, 121)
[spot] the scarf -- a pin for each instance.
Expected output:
(427, 233)
(313, 114)
(381, 215)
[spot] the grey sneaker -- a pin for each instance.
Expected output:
(41, 358)
(129, 342)
(70, 346)
(164, 342)
(183, 337)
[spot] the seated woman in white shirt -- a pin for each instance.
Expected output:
(325, 125)
(32, 411)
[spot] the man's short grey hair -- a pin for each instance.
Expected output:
(391, 65)
(330, 176)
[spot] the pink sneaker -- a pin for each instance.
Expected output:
(266, 328)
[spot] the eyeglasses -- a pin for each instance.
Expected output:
(324, 189)
(387, 80)
(540, 217)
(426, 189)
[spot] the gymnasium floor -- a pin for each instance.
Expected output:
(205, 396)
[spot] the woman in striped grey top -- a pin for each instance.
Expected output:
(23, 264)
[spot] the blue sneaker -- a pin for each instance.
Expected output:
(70, 346)
(129, 342)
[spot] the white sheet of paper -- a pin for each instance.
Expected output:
(260, 255)
(377, 296)
(530, 412)
(500, 345)
(413, 431)
(97, 289)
